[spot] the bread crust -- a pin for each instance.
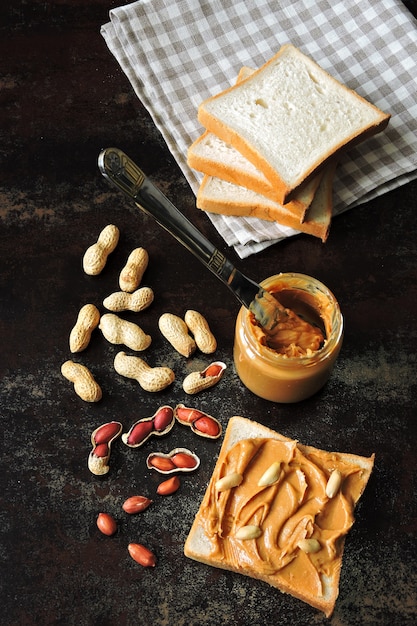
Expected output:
(316, 220)
(197, 544)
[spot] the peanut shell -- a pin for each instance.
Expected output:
(137, 301)
(175, 330)
(87, 320)
(145, 427)
(200, 423)
(101, 440)
(119, 331)
(85, 385)
(198, 325)
(199, 381)
(95, 257)
(152, 379)
(132, 273)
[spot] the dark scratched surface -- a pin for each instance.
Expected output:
(63, 98)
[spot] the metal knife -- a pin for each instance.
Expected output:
(120, 170)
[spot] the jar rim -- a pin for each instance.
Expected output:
(301, 282)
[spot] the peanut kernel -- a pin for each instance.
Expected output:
(248, 532)
(333, 484)
(229, 481)
(310, 546)
(271, 475)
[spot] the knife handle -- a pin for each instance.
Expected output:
(116, 166)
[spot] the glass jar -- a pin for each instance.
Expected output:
(279, 378)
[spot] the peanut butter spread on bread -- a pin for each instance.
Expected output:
(294, 529)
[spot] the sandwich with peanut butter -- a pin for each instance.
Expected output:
(279, 511)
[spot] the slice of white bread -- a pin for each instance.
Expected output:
(289, 118)
(212, 156)
(288, 511)
(219, 196)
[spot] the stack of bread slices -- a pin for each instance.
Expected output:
(272, 141)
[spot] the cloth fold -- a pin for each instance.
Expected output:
(176, 53)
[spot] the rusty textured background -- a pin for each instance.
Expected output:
(63, 98)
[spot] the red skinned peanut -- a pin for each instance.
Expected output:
(136, 504)
(106, 524)
(141, 555)
(169, 486)
(163, 418)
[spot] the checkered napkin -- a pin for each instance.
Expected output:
(177, 53)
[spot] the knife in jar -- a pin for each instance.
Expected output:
(122, 172)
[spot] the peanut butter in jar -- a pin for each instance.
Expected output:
(271, 364)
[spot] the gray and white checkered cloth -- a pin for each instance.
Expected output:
(176, 53)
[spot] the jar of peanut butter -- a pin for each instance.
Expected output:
(287, 373)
